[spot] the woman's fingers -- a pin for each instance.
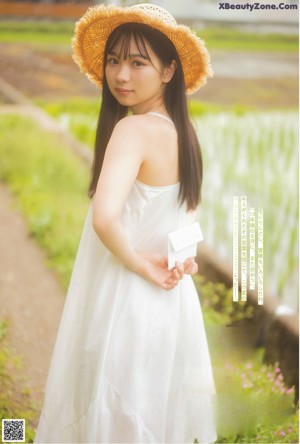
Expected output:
(178, 271)
(172, 279)
(168, 279)
(190, 266)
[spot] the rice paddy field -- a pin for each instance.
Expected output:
(252, 154)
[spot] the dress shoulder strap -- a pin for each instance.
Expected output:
(162, 116)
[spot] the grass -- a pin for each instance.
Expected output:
(45, 32)
(77, 115)
(36, 32)
(15, 397)
(50, 185)
(253, 404)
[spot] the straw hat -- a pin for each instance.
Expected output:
(95, 26)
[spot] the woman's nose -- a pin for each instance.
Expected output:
(123, 72)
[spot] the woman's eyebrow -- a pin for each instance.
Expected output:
(130, 56)
(137, 55)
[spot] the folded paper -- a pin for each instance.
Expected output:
(182, 243)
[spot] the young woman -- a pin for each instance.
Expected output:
(131, 362)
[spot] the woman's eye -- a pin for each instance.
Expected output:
(137, 63)
(112, 61)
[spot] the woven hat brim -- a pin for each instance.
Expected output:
(94, 28)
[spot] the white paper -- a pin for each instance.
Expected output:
(182, 243)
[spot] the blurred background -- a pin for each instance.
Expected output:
(246, 118)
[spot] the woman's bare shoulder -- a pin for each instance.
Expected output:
(129, 132)
(152, 132)
(140, 123)
(144, 123)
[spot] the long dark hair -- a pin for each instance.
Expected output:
(190, 158)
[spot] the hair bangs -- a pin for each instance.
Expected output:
(120, 39)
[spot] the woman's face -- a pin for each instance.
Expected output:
(136, 81)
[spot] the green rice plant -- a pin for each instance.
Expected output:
(254, 155)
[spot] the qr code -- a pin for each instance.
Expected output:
(13, 430)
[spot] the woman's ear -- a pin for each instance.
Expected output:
(169, 71)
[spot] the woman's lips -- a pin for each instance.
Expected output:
(123, 91)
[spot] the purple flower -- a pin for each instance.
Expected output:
(290, 390)
(249, 365)
(281, 433)
(290, 429)
(277, 370)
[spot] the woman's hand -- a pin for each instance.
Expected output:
(190, 266)
(155, 269)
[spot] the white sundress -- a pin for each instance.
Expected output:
(131, 362)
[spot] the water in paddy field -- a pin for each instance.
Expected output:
(254, 155)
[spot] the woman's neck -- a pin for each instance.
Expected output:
(156, 106)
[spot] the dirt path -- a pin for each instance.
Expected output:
(31, 299)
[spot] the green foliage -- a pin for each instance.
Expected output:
(76, 105)
(255, 378)
(50, 184)
(15, 396)
(3, 329)
(254, 405)
(197, 108)
(36, 32)
(217, 304)
(77, 115)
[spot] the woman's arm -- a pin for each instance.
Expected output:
(123, 159)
